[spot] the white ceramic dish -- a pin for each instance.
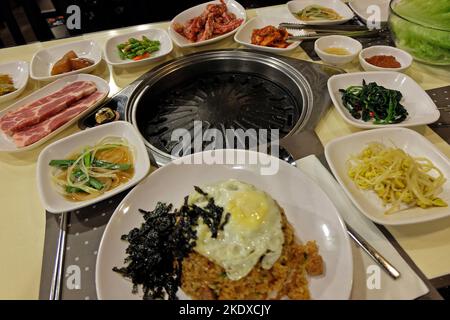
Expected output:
(339, 150)
(306, 206)
(421, 109)
(6, 143)
(183, 17)
(111, 52)
(43, 60)
(402, 56)
(244, 35)
(351, 45)
(374, 11)
(337, 5)
(55, 202)
(18, 70)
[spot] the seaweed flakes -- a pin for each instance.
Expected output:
(157, 249)
(225, 221)
(150, 258)
(199, 190)
(211, 214)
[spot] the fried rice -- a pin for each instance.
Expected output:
(203, 279)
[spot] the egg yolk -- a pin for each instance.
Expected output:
(248, 209)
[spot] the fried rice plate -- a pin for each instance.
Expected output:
(202, 279)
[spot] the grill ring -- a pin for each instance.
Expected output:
(214, 101)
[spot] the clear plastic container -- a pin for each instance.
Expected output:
(422, 28)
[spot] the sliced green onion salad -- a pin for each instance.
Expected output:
(94, 170)
(317, 12)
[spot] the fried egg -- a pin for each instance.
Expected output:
(252, 234)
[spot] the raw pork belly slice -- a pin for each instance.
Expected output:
(42, 109)
(40, 130)
(72, 87)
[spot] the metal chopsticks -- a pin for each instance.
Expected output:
(326, 28)
(55, 290)
(373, 253)
(317, 36)
(317, 31)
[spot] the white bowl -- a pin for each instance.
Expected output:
(18, 70)
(6, 143)
(378, 10)
(339, 150)
(337, 5)
(353, 46)
(403, 57)
(43, 60)
(55, 202)
(417, 102)
(244, 35)
(111, 52)
(183, 17)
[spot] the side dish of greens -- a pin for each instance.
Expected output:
(94, 170)
(136, 50)
(317, 12)
(373, 102)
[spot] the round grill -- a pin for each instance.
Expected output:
(233, 92)
(221, 101)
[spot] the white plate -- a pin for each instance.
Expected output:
(365, 9)
(244, 35)
(18, 70)
(417, 102)
(55, 202)
(183, 17)
(43, 60)
(7, 144)
(403, 57)
(112, 55)
(337, 5)
(307, 207)
(339, 150)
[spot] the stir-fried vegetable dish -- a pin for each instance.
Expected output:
(94, 170)
(136, 50)
(373, 102)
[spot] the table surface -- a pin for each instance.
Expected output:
(22, 229)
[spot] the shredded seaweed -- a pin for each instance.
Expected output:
(157, 249)
(203, 193)
(225, 221)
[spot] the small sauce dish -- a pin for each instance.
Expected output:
(327, 48)
(404, 58)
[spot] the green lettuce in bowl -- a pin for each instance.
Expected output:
(422, 28)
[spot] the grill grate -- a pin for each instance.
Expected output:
(220, 100)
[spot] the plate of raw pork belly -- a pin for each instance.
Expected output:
(36, 118)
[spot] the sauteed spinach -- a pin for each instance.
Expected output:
(373, 102)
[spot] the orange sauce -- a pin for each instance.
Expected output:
(384, 61)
